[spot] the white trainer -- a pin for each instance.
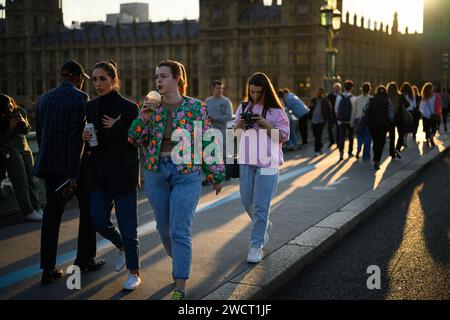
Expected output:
(132, 282)
(254, 255)
(40, 212)
(34, 216)
(267, 234)
(120, 262)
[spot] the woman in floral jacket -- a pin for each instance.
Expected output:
(172, 179)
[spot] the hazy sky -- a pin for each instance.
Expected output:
(410, 11)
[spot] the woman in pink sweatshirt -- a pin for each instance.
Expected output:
(262, 125)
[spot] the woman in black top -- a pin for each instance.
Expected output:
(379, 118)
(114, 169)
(399, 103)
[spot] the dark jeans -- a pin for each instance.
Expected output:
(303, 127)
(317, 132)
(343, 129)
(51, 223)
(430, 128)
(416, 119)
(364, 139)
(379, 140)
(331, 132)
(401, 134)
(126, 212)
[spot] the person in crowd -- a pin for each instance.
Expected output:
(379, 115)
(16, 157)
(407, 91)
(362, 131)
(399, 103)
(114, 169)
(445, 97)
(431, 110)
(300, 110)
(172, 181)
(416, 113)
(219, 109)
(345, 110)
(291, 144)
(337, 89)
(320, 113)
(60, 117)
(260, 117)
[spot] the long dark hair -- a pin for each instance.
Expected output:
(5, 113)
(178, 71)
(407, 90)
(271, 99)
(427, 91)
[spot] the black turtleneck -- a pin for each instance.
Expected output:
(106, 102)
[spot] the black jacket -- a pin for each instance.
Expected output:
(114, 163)
(378, 111)
(327, 111)
(60, 117)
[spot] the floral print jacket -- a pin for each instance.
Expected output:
(149, 136)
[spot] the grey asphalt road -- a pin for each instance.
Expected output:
(408, 239)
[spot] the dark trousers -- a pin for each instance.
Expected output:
(126, 213)
(343, 129)
(317, 132)
(51, 223)
(303, 127)
(416, 119)
(401, 134)
(332, 131)
(19, 166)
(430, 128)
(379, 140)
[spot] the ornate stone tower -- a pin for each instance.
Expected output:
(26, 22)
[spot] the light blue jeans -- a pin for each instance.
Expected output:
(257, 189)
(174, 198)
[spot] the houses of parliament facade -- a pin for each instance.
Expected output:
(231, 40)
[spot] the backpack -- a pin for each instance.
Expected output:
(344, 109)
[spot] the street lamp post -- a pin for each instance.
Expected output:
(330, 19)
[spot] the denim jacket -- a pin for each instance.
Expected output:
(150, 136)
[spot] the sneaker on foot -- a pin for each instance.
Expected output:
(254, 255)
(132, 282)
(34, 216)
(49, 276)
(40, 212)
(120, 262)
(178, 294)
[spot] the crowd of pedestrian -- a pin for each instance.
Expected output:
(105, 175)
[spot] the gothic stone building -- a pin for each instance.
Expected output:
(231, 40)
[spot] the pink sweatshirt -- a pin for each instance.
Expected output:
(258, 148)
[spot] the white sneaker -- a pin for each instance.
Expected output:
(34, 216)
(267, 234)
(40, 212)
(120, 262)
(254, 255)
(132, 283)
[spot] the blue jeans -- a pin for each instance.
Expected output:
(174, 198)
(363, 135)
(126, 212)
(292, 133)
(257, 190)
